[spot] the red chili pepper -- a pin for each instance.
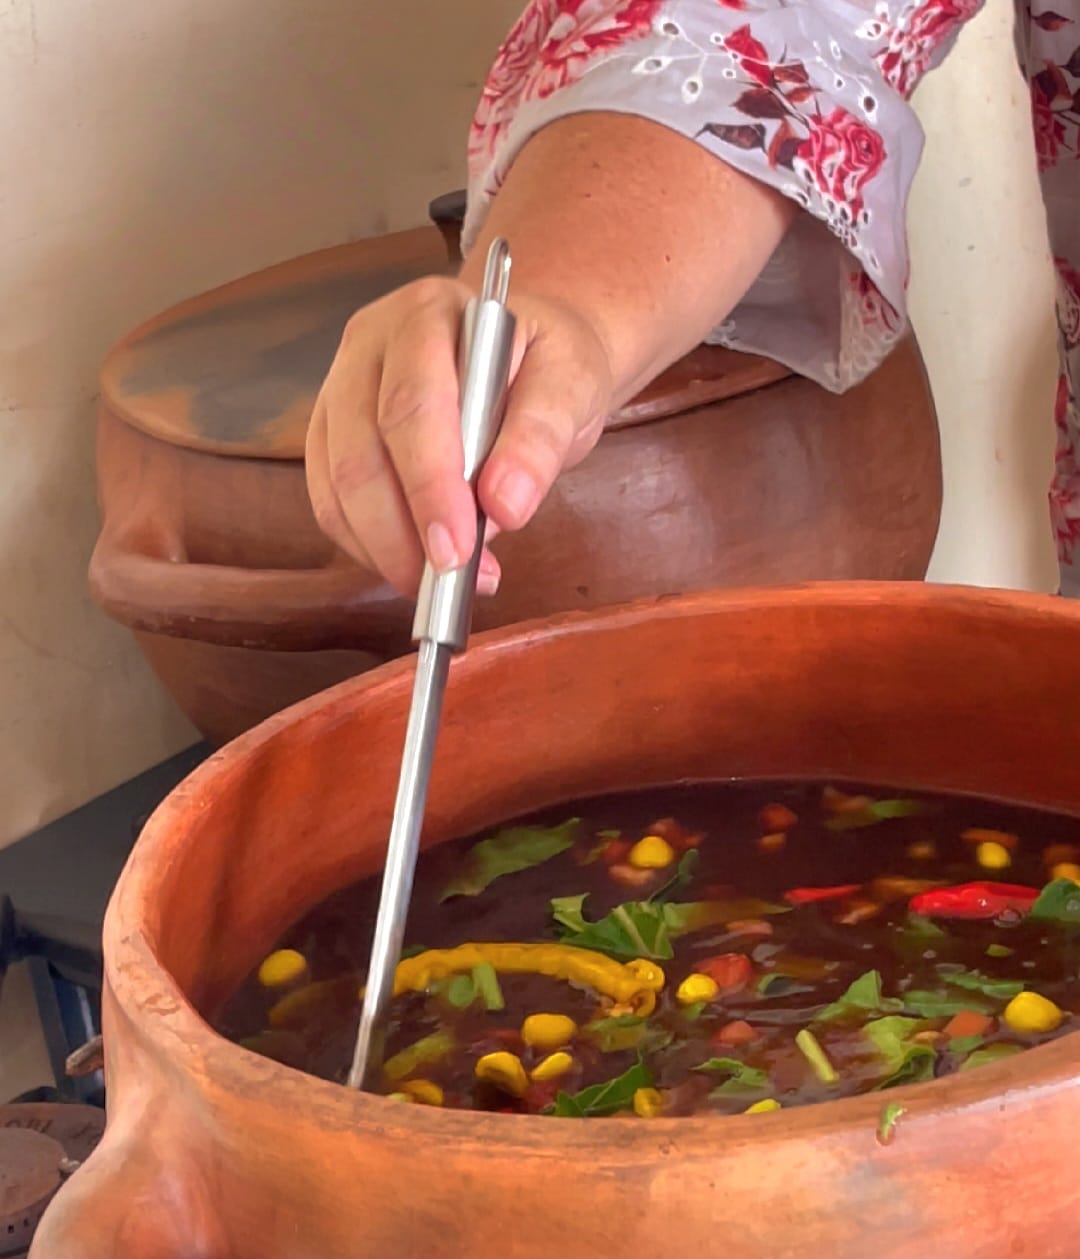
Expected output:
(808, 895)
(974, 900)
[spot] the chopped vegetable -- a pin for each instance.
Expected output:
(990, 1053)
(999, 950)
(968, 1023)
(684, 873)
(763, 1107)
(460, 991)
(741, 1078)
(811, 1049)
(648, 1103)
(421, 1053)
(1030, 1012)
(777, 817)
(974, 900)
(651, 853)
(923, 928)
(874, 812)
(548, 1031)
(993, 856)
(505, 1071)
(695, 988)
(975, 981)
(890, 1117)
(626, 1031)
(511, 850)
(1058, 902)
(607, 1098)
(282, 967)
(426, 1092)
(810, 895)
(634, 986)
(553, 1067)
(737, 1032)
(731, 972)
(862, 998)
(487, 985)
(939, 1005)
(906, 1060)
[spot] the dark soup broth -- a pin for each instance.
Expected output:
(714, 948)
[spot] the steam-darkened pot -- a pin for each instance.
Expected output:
(214, 1152)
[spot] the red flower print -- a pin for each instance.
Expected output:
(920, 29)
(732, 4)
(1068, 302)
(843, 155)
(751, 55)
(1049, 129)
(550, 47)
(874, 310)
(1065, 515)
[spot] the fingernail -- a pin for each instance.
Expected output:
(516, 494)
(440, 548)
(487, 583)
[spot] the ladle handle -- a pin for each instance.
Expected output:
(445, 600)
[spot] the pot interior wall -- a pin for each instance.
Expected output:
(910, 685)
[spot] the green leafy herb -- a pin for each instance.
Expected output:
(684, 918)
(863, 997)
(568, 911)
(875, 812)
(810, 1048)
(890, 1115)
(518, 848)
(922, 928)
(627, 1031)
(938, 1005)
(487, 985)
(603, 1099)
(965, 1044)
(991, 1053)
(684, 872)
(775, 984)
(741, 1078)
(999, 950)
(636, 929)
(905, 1060)
(976, 981)
(424, 1051)
(1059, 902)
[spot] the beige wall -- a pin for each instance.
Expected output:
(149, 151)
(153, 150)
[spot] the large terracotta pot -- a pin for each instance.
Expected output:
(727, 471)
(211, 1151)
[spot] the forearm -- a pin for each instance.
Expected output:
(644, 233)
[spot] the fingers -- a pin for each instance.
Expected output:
(554, 417)
(324, 500)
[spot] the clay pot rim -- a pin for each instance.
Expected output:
(183, 1038)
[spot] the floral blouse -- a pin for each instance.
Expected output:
(810, 96)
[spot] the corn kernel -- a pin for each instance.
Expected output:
(695, 988)
(992, 856)
(548, 1031)
(505, 1071)
(1028, 1012)
(763, 1107)
(648, 1103)
(285, 966)
(552, 1067)
(1066, 870)
(427, 1092)
(922, 850)
(651, 853)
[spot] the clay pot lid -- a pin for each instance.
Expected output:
(235, 371)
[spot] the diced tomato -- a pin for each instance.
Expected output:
(539, 1094)
(974, 900)
(738, 1032)
(777, 817)
(730, 971)
(810, 895)
(615, 850)
(968, 1023)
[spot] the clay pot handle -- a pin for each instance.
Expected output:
(334, 607)
(448, 214)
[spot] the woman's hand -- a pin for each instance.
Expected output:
(384, 453)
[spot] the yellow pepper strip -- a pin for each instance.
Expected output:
(553, 1067)
(763, 1107)
(285, 966)
(505, 1071)
(635, 984)
(1029, 1012)
(648, 1103)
